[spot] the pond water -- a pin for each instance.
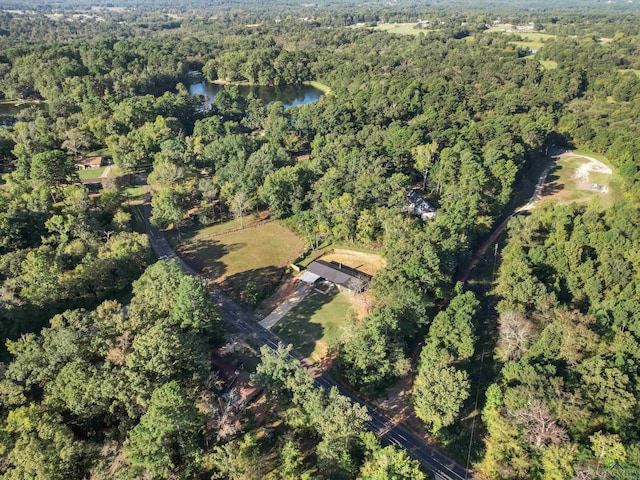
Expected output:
(9, 111)
(11, 108)
(289, 95)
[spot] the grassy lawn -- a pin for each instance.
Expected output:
(88, 173)
(531, 40)
(134, 194)
(258, 254)
(536, 37)
(549, 64)
(531, 45)
(217, 228)
(103, 152)
(316, 323)
(623, 71)
(400, 28)
(527, 36)
(562, 186)
(320, 86)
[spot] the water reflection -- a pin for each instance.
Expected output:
(289, 95)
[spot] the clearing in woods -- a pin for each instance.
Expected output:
(319, 321)
(579, 177)
(258, 254)
(316, 323)
(400, 28)
(368, 263)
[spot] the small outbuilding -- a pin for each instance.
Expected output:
(341, 276)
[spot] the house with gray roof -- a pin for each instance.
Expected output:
(341, 276)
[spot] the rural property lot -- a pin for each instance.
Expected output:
(316, 323)
(579, 179)
(368, 263)
(400, 28)
(258, 254)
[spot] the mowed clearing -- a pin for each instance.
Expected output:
(534, 41)
(316, 323)
(581, 178)
(400, 28)
(258, 254)
(526, 34)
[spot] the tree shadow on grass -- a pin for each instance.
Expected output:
(553, 175)
(296, 326)
(551, 189)
(267, 279)
(205, 256)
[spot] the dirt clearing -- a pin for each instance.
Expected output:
(368, 263)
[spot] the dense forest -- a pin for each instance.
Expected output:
(106, 369)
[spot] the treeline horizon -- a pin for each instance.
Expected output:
(462, 113)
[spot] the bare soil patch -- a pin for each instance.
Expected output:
(368, 263)
(577, 178)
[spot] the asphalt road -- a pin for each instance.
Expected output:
(243, 320)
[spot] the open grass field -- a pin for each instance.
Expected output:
(549, 64)
(526, 36)
(258, 254)
(531, 40)
(316, 323)
(536, 37)
(574, 179)
(134, 194)
(400, 28)
(91, 173)
(531, 45)
(103, 152)
(320, 86)
(623, 71)
(218, 228)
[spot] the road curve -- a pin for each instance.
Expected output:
(389, 432)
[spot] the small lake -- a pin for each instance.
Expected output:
(289, 95)
(9, 111)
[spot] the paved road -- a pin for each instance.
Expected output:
(390, 432)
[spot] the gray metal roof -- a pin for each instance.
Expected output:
(344, 276)
(308, 277)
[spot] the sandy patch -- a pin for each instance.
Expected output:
(368, 263)
(582, 173)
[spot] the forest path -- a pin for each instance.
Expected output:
(479, 253)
